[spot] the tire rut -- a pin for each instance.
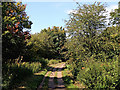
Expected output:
(51, 84)
(59, 79)
(41, 84)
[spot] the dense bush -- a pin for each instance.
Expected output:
(34, 66)
(49, 43)
(99, 75)
(43, 61)
(15, 73)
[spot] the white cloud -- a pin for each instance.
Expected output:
(71, 11)
(111, 8)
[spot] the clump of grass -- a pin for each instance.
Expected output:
(45, 85)
(55, 78)
(68, 79)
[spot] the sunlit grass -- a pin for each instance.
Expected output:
(55, 78)
(46, 81)
(67, 78)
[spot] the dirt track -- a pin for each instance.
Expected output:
(51, 83)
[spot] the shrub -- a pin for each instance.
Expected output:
(15, 73)
(99, 75)
(34, 66)
(43, 61)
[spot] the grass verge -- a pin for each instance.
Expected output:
(33, 82)
(45, 85)
(55, 78)
(68, 79)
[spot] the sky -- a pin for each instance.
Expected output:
(49, 14)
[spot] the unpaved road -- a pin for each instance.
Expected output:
(51, 83)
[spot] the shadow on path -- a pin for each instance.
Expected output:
(51, 83)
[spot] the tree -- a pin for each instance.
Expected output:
(58, 37)
(115, 16)
(88, 48)
(84, 26)
(14, 21)
(86, 20)
(49, 43)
